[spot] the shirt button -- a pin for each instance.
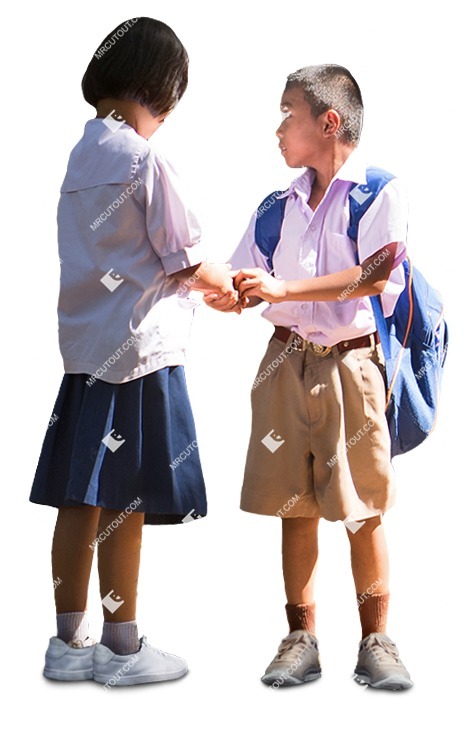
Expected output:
(304, 307)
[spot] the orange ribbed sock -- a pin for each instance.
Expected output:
(373, 612)
(301, 616)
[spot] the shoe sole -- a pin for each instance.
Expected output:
(272, 679)
(68, 675)
(385, 684)
(137, 679)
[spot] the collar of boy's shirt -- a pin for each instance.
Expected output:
(353, 170)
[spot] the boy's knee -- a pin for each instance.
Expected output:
(299, 525)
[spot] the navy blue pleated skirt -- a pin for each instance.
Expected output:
(128, 445)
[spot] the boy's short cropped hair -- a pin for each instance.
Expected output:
(330, 86)
(142, 60)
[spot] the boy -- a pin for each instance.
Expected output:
(320, 445)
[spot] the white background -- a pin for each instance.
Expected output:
(212, 590)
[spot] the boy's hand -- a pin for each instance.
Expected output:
(223, 303)
(257, 283)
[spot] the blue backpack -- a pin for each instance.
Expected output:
(414, 338)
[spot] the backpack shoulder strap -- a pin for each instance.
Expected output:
(360, 199)
(362, 196)
(269, 217)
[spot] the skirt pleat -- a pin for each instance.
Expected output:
(129, 445)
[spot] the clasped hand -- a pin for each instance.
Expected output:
(244, 285)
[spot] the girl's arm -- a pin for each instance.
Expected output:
(214, 280)
(207, 277)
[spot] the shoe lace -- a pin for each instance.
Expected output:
(78, 644)
(154, 649)
(296, 646)
(384, 651)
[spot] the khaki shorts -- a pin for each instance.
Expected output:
(320, 443)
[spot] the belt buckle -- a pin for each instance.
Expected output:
(320, 350)
(301, 343)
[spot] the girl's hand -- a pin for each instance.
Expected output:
(223, 303)
(257, 283)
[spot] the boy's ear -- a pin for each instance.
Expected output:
(331, 122)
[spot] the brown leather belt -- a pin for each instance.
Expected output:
(365, 341)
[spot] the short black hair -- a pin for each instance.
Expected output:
(143, 60)
(330, 86)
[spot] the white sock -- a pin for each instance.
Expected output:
(72, 626)
(121, 637)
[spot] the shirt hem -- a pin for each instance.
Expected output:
(116, 377)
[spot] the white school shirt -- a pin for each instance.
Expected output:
(315, 243)
(123, 227)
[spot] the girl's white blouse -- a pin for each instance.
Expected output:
(123, 228)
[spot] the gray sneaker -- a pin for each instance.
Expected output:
(379, 664)
(297, 661)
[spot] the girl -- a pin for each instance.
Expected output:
(121, 447)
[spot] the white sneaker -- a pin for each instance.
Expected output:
(148, 665)
(297, 661)
(379, 664)
(69, 661)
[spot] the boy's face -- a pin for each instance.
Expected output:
(301, 136)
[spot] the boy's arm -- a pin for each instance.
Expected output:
(367, 278)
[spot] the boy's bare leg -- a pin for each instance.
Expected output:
(297, 659)
(299, 560)
(370, 568)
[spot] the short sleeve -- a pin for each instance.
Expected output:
(385, 222)
(247, 255)
(172, 227)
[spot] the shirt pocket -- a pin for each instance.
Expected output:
(338, 253)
